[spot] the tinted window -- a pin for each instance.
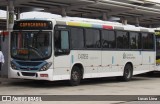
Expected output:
(148, 41)
(64, 40)
(158, 42)
(122, 40)
(157, 47)
(61, 40)
(77, 38)
(108, 39)
(92, 38)
(135, 40)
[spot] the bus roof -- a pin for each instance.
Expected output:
(94, 23)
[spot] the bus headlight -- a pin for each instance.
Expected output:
(13, 66)
(46, 66)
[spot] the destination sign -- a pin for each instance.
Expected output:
(40, 24)
(32, 25)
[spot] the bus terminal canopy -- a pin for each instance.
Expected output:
(144, 12)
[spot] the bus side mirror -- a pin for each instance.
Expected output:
(3, 37)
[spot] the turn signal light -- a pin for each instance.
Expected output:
(43, 75)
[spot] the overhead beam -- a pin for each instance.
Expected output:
(50, 2)
(81, 5)
(122, 11)
(98, 9)
(33, 5)
(128, 5)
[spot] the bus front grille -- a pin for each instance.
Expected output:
(29, 63)
(28, 74)
(29, 69)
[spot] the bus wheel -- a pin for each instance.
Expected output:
(127, 74)
(76, 76)
(150, 73)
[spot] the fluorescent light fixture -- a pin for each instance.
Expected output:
(156, 1)
(38, 15)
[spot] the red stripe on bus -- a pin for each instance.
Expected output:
(107, 27)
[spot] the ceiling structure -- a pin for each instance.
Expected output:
(147, 12)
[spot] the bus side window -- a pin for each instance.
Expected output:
(148, 41)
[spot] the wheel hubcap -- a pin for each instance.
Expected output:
(75, 76)
(127, 73)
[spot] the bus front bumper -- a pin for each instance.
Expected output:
(35, 75)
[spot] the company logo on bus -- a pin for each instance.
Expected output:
(124, 56)
(128, 56)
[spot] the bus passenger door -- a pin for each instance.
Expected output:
(148, 51)
(61, 55)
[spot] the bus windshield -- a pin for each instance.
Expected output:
(31, 45)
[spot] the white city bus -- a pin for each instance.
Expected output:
(75, 48)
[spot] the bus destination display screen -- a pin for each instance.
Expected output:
(32, 25)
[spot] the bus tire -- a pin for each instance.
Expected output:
(128, 72)
(150, 73)
(76, 76)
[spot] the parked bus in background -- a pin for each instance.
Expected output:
(0, 38)
(77, 48)
(157, 34)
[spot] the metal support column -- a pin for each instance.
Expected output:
(63, 12)
(6, 43)
(17, 13)
(104, 16)
(137, 21)
(150, 26)
(7, 16)
(124, 21)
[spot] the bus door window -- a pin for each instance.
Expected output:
(64, 40)
(61, 41)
